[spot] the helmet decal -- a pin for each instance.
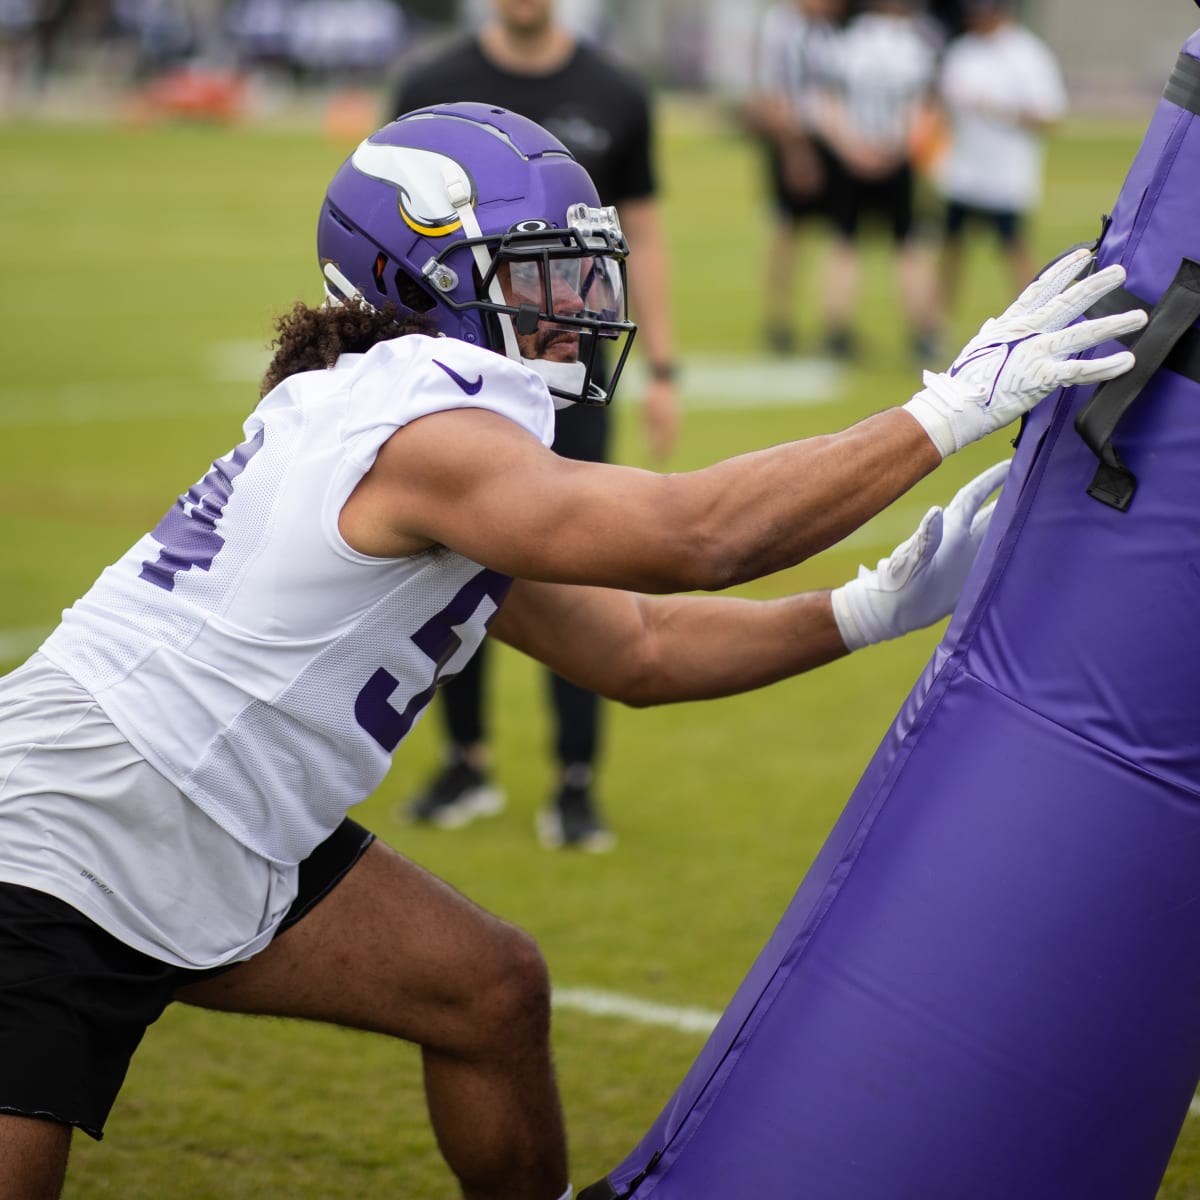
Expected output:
(422, 180)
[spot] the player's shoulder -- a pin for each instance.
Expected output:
(419, 374)
(421, 351)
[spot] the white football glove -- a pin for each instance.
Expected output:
(919, 582)
(1019, 358)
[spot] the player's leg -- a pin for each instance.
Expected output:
(33, 1158)
(779, 319)
(394, 950)
(74, 1005)
(573, 815)
(842, 266)
(915, 275)
(954, 221)
(1014, 242)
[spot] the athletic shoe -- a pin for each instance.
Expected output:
(781, 341)
(927, 350)
(572, 821)
(455, 797)
(842, 345)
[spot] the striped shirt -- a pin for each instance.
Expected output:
(795, 57)
(886, 66)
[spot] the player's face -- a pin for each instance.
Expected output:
(576, 284)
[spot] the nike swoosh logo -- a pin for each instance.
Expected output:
(470, 386)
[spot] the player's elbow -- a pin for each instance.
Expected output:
(718, 561)
(705, 556)
(646, 673)
(643, 690)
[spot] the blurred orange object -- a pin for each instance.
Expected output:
(350, 115)
(196, 93)
(928, 140)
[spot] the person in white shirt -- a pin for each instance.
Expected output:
(178, 759)
(1001, 89)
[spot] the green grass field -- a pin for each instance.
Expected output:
(142, 268)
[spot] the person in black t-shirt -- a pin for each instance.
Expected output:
(524, 59)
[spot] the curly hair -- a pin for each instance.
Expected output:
(309, 339)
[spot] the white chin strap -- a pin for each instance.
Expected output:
(566, 377)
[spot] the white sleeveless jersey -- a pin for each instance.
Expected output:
(257, 661)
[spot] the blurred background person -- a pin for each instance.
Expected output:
(794, 53)
(527, 59)
(884, 78)
(1002, 89)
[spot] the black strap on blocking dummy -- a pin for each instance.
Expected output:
(1183, 84)
(1184, 358)
(604, 1190)
(598, 1191)
(1170, 319)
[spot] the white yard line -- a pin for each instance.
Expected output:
(105, 401)
(597, 1003)
(707, 383)
(21, 643)
(723, 382)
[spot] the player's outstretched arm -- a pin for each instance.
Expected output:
(474, 481)
(644, 650)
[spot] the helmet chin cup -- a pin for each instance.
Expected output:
(566, 381)
(439, 211)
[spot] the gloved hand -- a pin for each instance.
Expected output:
(1019, 358)
(919, 582)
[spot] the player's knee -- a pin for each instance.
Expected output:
(515, 991)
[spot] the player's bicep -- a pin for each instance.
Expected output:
(478, 484)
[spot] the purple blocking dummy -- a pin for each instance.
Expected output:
(988, 985)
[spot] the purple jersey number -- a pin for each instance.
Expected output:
(439, 641)
(188, 532)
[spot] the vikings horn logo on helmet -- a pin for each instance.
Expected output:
(422, 179)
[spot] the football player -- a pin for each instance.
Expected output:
(178, 759)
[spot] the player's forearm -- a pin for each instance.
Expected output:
(762, 512)
(645, 650)
(703, 647)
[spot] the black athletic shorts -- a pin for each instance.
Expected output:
(795, 206)
(1006, 222)
(889, 197)
(75, 1001)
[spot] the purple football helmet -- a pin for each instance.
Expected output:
(483, 223)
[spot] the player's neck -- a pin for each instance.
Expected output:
(534, 53)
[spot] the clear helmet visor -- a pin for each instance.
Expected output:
(569, 313)
(575, 287)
